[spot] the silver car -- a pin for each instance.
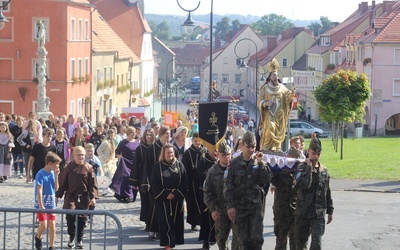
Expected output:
(304, 128)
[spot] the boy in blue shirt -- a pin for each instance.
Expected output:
(45, 198)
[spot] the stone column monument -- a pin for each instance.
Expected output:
(43, 101)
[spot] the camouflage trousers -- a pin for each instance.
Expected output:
(222, 229)
(284, 228)
(305, 227)
(248, 231)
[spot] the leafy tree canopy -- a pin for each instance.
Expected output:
(342, 96)
(222, 28)
(320, 27)
(272, 24)
(161, 30)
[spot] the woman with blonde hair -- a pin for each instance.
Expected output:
(124, 192)
(168, 184)
(106, 152)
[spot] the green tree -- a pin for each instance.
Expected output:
(222, 28)
(342, 98)
(161, 30)
(235, 24)
(272, 24)
(320, 27)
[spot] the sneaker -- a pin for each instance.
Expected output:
(71, 243)
(38, 243)
(21, 177)
(195, 228)
(51, 248)
(80, 245)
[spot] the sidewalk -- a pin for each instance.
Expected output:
(366, 185)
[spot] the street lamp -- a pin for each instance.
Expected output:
(3, 19)
(188, 25)
(243, 67)
(167, 83)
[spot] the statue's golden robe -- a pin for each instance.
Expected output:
(274, 119)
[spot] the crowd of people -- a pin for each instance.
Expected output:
(221, 189)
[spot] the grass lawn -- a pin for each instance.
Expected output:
(363, 158)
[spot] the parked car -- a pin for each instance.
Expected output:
(304, 128)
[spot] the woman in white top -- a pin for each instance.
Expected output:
(106, 152)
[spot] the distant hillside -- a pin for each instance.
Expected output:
(175, 22)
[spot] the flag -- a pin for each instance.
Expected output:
(213, 120)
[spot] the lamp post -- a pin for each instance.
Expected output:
(3, 19)
(188, 26)
(167, 83)
(243, 66)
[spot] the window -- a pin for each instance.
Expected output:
(80, 24)
(105, 73)
(79, 67)
(238, 78)
(396, 56)
(238, 61)
(98, 76)
(215, 77)
(36, 26)
(87, 66)
(73, 68)
(73, 27)
(79, 107)
(225, 77)
(111, 73)
(396, 87)
(35, 69)
(72, 107)
(117, 80)
(5, 8)
(86, 30)
(284, 63)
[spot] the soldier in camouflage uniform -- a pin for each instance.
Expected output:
(214, 197)
(314, 199)
(285, 204)
(247, 175)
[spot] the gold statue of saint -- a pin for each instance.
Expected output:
(274, 102)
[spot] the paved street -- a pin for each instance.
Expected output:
(365, 217)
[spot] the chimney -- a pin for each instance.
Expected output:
(217, 41)
(271, 42)
(372, 18)
(373, 5)
(389, 8)
(364, 7)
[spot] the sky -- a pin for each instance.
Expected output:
(336, 10)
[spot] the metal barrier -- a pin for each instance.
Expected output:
(22, 229)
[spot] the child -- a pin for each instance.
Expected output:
(62, 148)
(45, 197)
(6, 145)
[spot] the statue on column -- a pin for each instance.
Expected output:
(43, 101)
(274, 102)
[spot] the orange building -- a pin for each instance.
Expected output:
(68, 43)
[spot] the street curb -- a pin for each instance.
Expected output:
(371, 190)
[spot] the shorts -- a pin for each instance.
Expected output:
(46, 216)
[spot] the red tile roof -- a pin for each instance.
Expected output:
(126, 21)
(338, 33)
(104, 39)
(192, 54)
(391, 33)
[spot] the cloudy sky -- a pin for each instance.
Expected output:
(336, 10)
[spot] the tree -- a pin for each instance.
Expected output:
(272, 24)
(222, 28)
(342, 98)
(320, 27)
(161, 30)
(235, 24)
